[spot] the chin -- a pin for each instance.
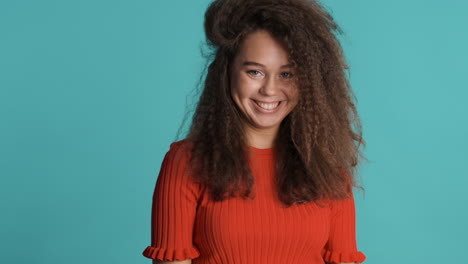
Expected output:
(266, 125)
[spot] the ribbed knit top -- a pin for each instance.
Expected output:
(186, 223)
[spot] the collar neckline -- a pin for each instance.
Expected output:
(263, 152)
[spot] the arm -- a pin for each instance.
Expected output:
(341, 246)
(174, 207)
(187, 261)
(339, 263)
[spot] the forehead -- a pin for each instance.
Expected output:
(262, 47)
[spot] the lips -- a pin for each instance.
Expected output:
(267, 107)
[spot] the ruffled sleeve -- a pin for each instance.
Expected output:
(341, 245)
(173, 209)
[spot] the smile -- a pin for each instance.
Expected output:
(267, 107)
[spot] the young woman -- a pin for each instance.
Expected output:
(266, 172)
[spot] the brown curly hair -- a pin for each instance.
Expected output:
(317, 147)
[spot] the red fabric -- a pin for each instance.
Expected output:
(187, 224)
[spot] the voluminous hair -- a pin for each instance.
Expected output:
(317, 146)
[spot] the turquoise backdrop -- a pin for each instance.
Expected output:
(92, 94)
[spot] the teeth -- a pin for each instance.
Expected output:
(268, 106)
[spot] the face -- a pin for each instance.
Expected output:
(263, 85)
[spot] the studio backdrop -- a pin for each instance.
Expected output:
(93, 92)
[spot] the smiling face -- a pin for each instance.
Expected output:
(262, 84)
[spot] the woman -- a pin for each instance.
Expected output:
(265, 174)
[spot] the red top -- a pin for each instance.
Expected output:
(187, 224)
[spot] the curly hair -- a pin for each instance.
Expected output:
(317, 146)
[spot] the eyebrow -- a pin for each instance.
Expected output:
(253, 63)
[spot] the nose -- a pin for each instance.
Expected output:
(270, 86)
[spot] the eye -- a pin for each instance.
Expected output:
(253, 72)
(288, 76)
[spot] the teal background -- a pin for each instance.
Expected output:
(92, 94)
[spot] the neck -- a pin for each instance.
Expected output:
(261, 138)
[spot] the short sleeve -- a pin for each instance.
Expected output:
(341, 245)
(173, 210)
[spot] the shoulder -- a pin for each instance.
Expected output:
(183, 145)
(178, 158)
(176, 168)
(179, 150)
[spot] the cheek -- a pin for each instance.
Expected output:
(248, 86)
(236, 92)
(294, 98)
(244, 88)
(296, 95)
(234, 86)
(293, 93)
